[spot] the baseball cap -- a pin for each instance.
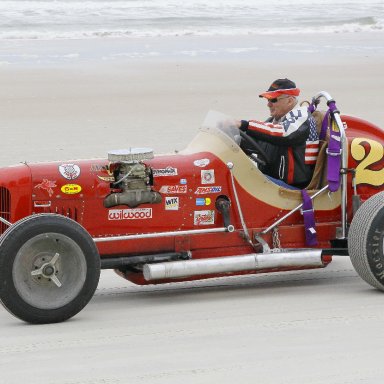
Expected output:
(281, 87)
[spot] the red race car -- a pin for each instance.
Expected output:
(204, 212)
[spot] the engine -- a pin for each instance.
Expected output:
(133, 178)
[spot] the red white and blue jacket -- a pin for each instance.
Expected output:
(292, 145)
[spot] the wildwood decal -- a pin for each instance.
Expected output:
(130, 214)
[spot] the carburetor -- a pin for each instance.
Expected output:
(133, 178)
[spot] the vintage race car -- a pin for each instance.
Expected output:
(204, 212)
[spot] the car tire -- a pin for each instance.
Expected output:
(365, 241)
(49, 268)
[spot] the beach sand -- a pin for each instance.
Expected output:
(83, 110)
(304, 327)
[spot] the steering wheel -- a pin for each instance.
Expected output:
(262, 158)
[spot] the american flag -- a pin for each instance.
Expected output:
(312, 144)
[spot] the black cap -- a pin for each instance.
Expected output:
(279, 87)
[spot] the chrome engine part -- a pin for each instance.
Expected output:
(132, 177)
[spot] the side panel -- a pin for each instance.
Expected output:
(15, 193)
(366, 157)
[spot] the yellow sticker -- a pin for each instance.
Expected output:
(71, 189)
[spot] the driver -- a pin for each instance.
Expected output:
(289, 137)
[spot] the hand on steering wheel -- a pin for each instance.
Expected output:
(262, 158)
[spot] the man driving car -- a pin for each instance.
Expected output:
(288, 138)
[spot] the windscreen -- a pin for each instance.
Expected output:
(219, 123)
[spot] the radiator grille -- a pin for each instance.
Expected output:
(5, 207)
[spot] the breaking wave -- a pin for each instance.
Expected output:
(77, 19)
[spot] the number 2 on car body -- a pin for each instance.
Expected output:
(366, 158)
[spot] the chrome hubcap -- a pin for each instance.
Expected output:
(48, 271)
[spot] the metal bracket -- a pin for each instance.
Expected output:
(230, 166)
(264, 244)
(6, 222)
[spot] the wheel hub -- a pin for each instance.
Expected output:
(48, 270)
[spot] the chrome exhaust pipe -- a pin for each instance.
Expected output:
(255, 261)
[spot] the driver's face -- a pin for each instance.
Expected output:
(280, 106)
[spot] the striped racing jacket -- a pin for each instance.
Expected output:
(292, 145)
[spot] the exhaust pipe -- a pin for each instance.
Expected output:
(255, 261)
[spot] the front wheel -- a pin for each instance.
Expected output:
(366, 241)
(49, 268)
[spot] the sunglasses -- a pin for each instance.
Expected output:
(276, 99)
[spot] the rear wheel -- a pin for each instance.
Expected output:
(49, 268)
(366, 241)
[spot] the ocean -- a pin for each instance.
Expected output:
(73, 19)
(24, 23)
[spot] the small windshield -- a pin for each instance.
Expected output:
(219, 123)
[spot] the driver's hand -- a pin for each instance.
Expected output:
(243, 125)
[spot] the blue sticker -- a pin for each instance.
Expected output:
(183, 181)
(200, 201)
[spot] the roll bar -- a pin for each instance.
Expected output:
(344, 159)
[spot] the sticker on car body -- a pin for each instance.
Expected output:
(130, 214)
(201, 163)
(167, 171)
(204, 217)
(71, 189)
(69, 171)
(207, 176)
(206, 190)
(173, 189)
(47, 185)
(172, 203)
(203, 201)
